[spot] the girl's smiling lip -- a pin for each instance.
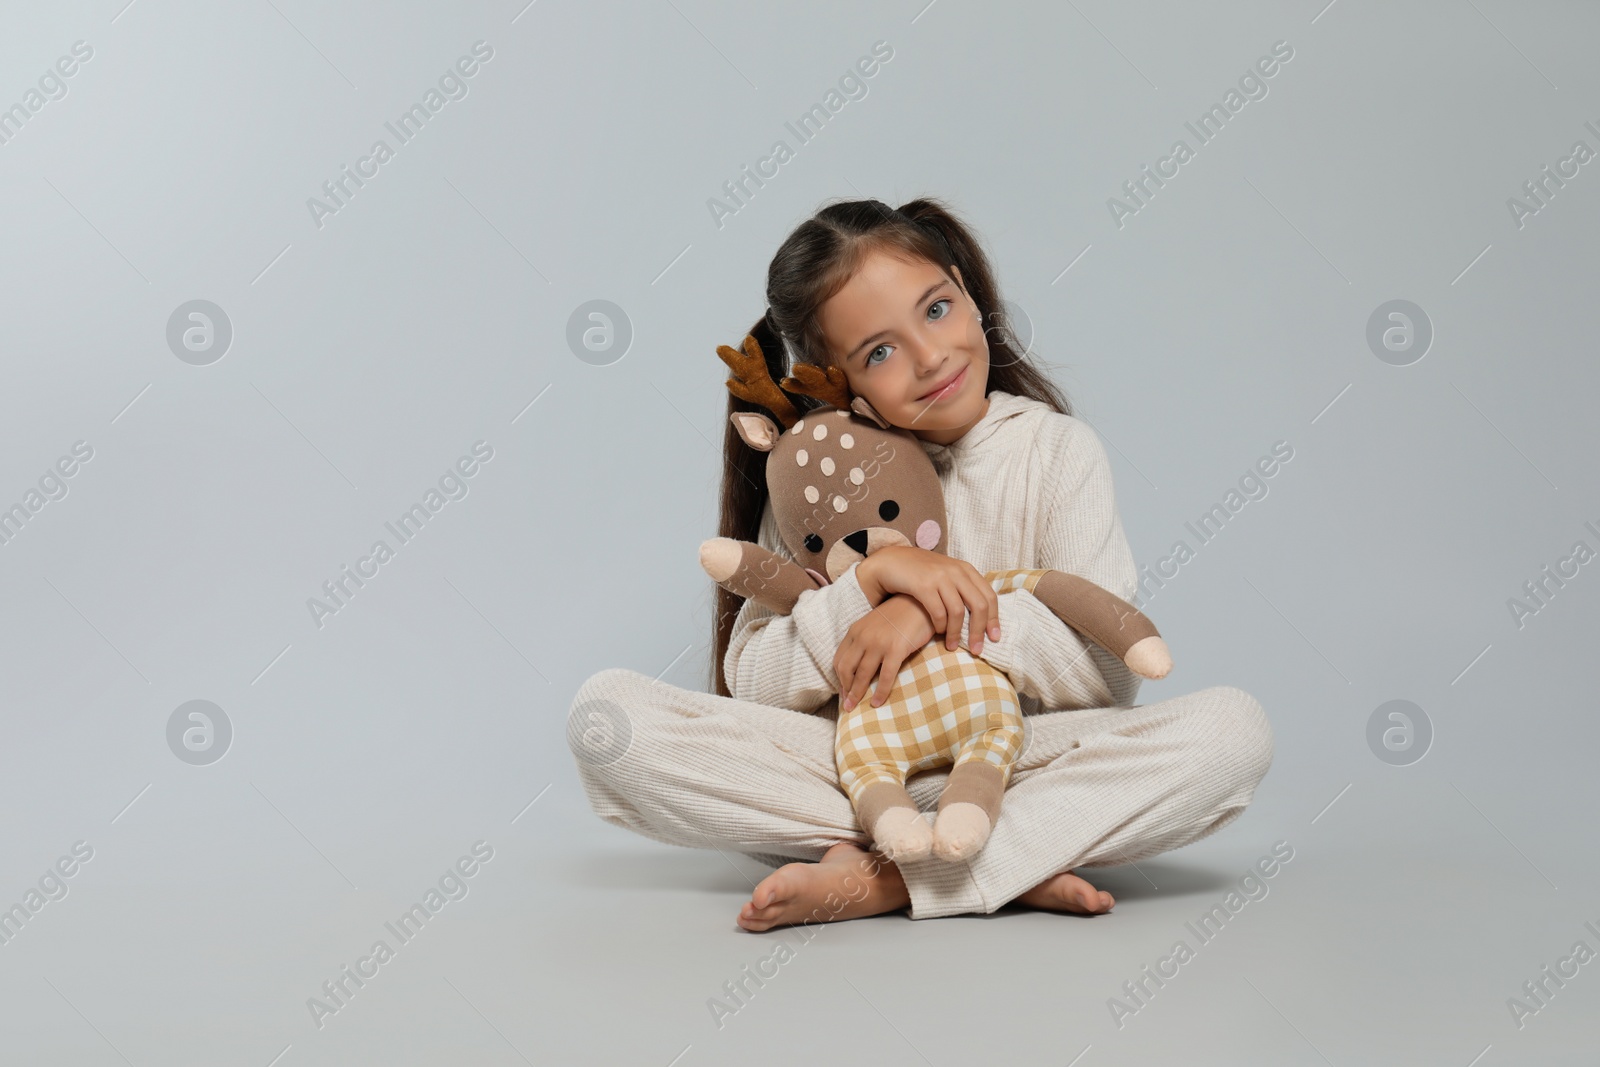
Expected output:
(942, 391)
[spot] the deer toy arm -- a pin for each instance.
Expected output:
(753, 572)
(1107, 620)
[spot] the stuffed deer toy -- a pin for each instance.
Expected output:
(843, 484)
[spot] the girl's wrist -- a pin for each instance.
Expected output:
(867, 580)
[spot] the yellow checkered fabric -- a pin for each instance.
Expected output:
(946, 708)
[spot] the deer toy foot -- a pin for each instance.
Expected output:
(960, 832)
(902, 834)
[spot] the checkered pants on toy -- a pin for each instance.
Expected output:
(947, 707)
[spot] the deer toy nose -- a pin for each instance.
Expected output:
(857, 541)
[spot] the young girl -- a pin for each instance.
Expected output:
(897, 299)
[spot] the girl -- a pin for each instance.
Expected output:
(897, 299)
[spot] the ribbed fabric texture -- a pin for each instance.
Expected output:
(1108, 784)
(1092, 788)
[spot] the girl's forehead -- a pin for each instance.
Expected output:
(883, 268)
(883, 288)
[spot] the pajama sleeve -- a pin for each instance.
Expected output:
(1081, 534)
(786, 661)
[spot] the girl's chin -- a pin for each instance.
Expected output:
(920, 416)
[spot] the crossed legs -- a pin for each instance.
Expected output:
(1092, 788)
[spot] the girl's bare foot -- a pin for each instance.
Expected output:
(1067, 892)
(848, 883)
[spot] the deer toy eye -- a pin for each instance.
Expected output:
(888, 510)
(813, 543)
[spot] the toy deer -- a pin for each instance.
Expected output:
(843, 484)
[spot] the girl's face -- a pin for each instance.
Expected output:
(910, 342)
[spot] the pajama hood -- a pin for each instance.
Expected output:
(1007, 414)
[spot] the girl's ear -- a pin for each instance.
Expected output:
(861, 407)
(755, 429)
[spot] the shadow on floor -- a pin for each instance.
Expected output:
(708, 871)
(682, 868)
(1154, 879)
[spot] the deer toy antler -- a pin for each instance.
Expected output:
(825, 384)
(752, 381)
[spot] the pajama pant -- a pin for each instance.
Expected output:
(1092, 788)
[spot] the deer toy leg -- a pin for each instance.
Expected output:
(889, 815)
(970, 803)
(968, 808)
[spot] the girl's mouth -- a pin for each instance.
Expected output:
(948, 388)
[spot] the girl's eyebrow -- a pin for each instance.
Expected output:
(917, 303)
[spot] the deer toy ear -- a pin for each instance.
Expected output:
(861, 407)
(756, 430)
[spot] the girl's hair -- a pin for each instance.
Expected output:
(813, 264)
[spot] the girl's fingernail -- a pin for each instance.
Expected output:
(994, 632)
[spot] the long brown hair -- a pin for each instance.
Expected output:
(813, 264)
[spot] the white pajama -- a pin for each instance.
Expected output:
(1100, 781)
(1092, 788)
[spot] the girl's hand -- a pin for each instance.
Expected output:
(946, 588)
(880, 642)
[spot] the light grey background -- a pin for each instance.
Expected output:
(432, 310)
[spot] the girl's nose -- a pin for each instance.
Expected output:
(929, 357)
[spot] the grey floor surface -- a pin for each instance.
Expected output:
(204, 926)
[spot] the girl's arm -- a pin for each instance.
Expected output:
(786, 661)
(1082, 534)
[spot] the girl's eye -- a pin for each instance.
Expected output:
(944, 314)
